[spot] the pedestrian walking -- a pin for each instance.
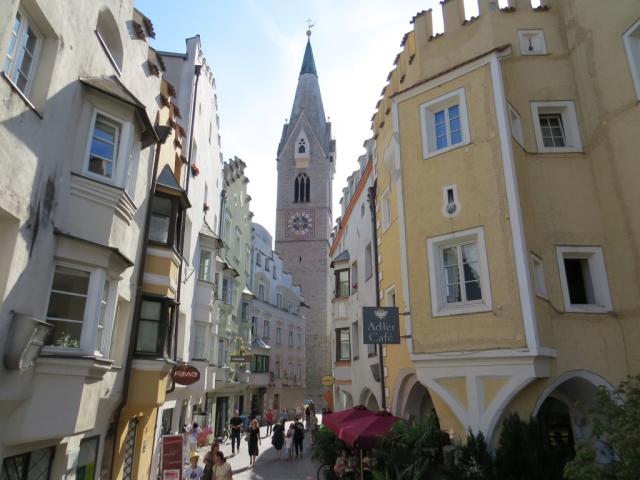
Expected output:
(253, 435)
(289, 439)
(207, 472)
(215, 446)
(236, 430)
(298, 437)
(221, 468)
(193, 471)
(268, 418)
(278, 437)
(307, 414)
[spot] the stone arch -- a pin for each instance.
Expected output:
(562, 407)
(109, 35)
(344, 399)
(369, 400)
(412, 398)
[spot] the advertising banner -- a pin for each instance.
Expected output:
(171, 457)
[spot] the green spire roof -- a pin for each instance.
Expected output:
(308, 64)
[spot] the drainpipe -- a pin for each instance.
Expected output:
(374, 230)
(197, 70)
(162, 132)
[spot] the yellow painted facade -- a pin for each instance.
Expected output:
(550, 222)
(150, 377)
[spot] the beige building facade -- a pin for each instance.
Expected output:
(510, 238)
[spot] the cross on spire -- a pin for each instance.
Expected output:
(310, 25)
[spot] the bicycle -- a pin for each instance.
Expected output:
(226, 433)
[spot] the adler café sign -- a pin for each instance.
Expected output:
(185, 374)
(381, 325)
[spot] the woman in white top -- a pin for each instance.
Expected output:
(221, 468)
(288, 439)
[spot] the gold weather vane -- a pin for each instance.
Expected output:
(310, 25)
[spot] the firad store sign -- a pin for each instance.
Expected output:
(185, 374)
(381, 325)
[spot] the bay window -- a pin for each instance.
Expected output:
(342, 283)
(206, 262)
(103, 146)
(165, 220)
(81, 308)
(155, 327)
(199, 335)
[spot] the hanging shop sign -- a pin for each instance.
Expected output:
(381, 325)
(171, 457)
(327, 380)
(185, 374)
(240, 358)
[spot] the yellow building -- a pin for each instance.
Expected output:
(156, 314)
(508, 232)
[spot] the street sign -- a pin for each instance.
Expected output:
(240, 358)
(381, 325)
(327, 380)
(185, 374)
(171, 457)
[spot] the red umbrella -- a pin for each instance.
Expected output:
(365, 431)
(336, 420)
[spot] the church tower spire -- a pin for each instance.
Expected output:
(306, 164)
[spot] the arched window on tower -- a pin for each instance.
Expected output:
(302, 146)
(302, 188)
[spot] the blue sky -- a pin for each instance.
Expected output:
(255, 49)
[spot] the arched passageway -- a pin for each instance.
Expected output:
(369, 400)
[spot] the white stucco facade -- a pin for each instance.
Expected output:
(352, 267)
(70, 221)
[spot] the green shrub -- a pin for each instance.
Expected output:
(327, 446)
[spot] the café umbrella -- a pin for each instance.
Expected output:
(365, 431)
(336, 420)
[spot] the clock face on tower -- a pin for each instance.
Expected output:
(300, 223)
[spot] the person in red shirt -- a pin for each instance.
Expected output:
(268, 416)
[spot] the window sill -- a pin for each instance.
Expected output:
(464, 309)
(343, 363)
(586, 309)
(559, 150)
(73, 365)
(24, 98)
(435, 153)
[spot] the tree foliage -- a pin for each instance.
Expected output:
(613, 450)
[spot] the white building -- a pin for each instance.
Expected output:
(77, 151)
(355, 365)
(277, 330)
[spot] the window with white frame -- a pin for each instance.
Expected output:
(277, 371)
(206, 263)
(537, 272)
(516, 125)
(368, 262)
(299, 340)
(279, 300)
(532, 42)
(221, 353)
(278, 335)
(556, 127)
(343, 345)
(583, 277)
(258, 259)
(291, 338)
(103, 146)
(267, 264)
(199, 335)
(299, 371)
(254, 326)
(354, 277)
(266, 333)
(355, 334)
(444, 123)
(22, 54)
(81, 309)
(632, 46)
(261, 292)
(458, 272)
(290, 370)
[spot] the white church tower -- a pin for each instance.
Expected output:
(306, 165)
